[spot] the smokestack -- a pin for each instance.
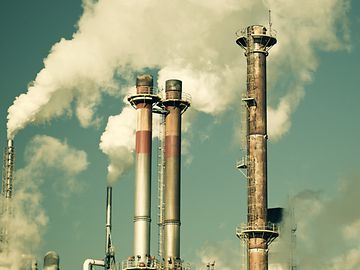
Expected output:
(109, 261)
(109, 252)
(8, 169)
(175, 106)
(6, 191)
(258, 233)
(51, 261)
(143, 102)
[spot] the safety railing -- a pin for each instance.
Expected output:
(133, 263)
(271, 227)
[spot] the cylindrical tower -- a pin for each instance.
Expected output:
(175, 105)
(108, 217)
(109, 251)
(7, 192)
(8, 170)
(143, 101)
(259, 233)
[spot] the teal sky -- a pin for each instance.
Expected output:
(320, 150)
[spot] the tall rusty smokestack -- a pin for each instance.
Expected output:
(143, 101)
(7, 191)
(175, 105)
(258, 233)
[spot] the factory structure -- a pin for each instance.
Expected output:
(29, 261)
(257, 233)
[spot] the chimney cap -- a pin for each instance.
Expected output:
(173, 85)
(144, 80)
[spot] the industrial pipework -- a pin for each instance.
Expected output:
(6, 192)
(143, 101)
(109, 249)
(109, 261)
(8, 173)
(256, 40)
(175, 105)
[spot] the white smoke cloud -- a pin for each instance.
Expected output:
(225, 254)
(190, 40)
(118, 142)
(304, 28)
(318, 220)
(29, 219)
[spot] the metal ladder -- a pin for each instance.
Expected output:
(161, 166)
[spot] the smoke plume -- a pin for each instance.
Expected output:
(330, 216)
(197, 45)
(225, 254)
(29, 218)
(118, 142)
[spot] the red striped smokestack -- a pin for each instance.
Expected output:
(143, 101)
(175, 105)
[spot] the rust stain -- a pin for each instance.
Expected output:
(143, 141)
(172, 146)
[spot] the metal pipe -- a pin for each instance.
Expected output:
(109, 252)
(9, 159)
(88, 263)
(143, 101)
(6, 192)
(174, 105)
(256, 43)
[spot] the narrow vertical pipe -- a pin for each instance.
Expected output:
(9, 157)
(7, 192)
(109, 254)
(172, 104)
(143, 101)
(108, 218)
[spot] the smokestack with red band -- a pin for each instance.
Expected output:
(175, 105)
(143, 101)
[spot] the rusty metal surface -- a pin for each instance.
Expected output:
(144, 84)
(256, 43)
(172, 173)
(143, 141)
(142, 196)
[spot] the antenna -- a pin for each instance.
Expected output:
(270, 22)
